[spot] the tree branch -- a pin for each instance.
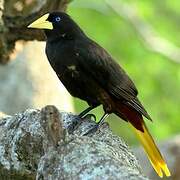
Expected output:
(146, 32)
(15, 15)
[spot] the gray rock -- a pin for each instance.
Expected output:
(49, 145)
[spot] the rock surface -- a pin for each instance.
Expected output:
(47, 144)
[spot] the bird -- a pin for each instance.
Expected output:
(90, 73)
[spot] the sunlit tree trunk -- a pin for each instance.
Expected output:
(26, 78)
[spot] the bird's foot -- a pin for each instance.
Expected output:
(84, 113)
(90, 116)
(96, 126)
(93, 129)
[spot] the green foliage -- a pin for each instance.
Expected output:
(156, 77)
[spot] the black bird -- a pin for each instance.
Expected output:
(90, 73)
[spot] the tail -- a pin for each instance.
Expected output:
(137, 123)
(152, 151)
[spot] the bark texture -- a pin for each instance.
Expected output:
(49, 144)
(29, 77)
(15, 15)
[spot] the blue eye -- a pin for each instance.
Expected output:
(57, 19)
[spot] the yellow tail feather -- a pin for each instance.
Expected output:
(152, 151)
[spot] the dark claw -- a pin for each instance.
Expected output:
(83, 113)
(95, 127)
(90, 116)
(92, 130)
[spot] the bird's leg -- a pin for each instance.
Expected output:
(105, 115)
(90, 116)
(83, 113)
(95, 128)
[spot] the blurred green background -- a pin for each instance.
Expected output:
(156, 75)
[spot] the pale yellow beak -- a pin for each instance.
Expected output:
(42, 23)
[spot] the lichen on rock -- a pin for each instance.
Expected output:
(49, 144)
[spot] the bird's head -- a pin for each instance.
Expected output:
(57, 24)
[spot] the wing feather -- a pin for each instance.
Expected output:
(95, 61)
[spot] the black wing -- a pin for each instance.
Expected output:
(95, 61)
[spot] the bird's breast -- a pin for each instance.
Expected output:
(65, 62)
(62, 58)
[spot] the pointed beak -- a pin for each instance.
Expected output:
(42, 23)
